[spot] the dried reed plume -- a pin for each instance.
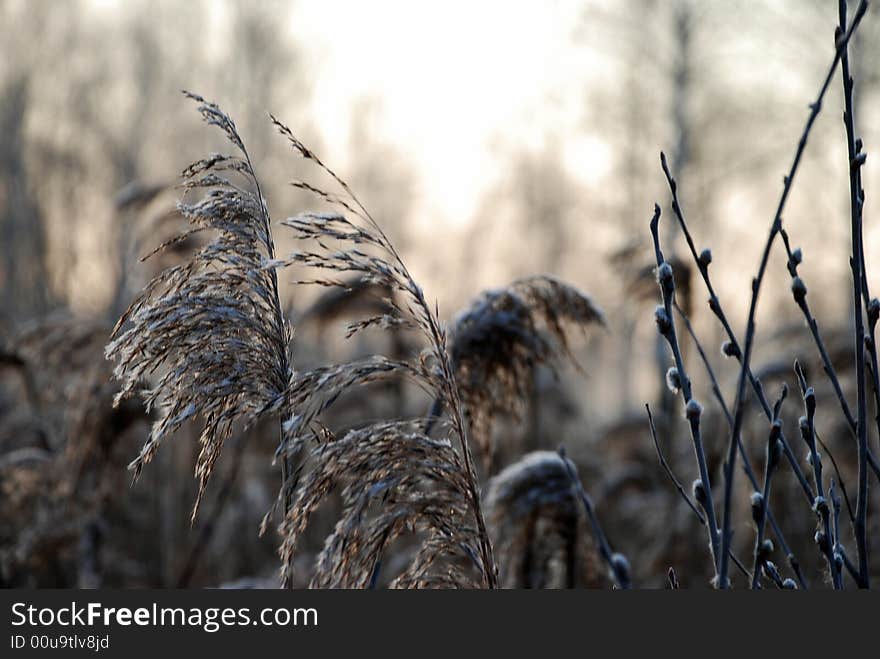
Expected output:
(213, 334)
(363, 249)
(537, 526)
(213, 325)
(503, 336)
(394, 481)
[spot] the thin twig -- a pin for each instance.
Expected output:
(668, 469)
(681, 490)
(746, 462)
(799, 292)
(841, 559)
(807, 425)
(739, 407)
(618, 565)
(760, 499)
(732, 347)
(857, 263)
(840, 480)
(693, 410)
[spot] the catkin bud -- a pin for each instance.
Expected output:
(810, 400)
(776, 450)
(664, 274)
(716, 581)
(799, 290)
(664, 324)
(822, 541)
(699, 492)
(757, 507)
(873, 310)
(693, 410)
(705, 258)
(797, 256)
(673, 380)
(804, 426)
(789, 584)
(729, 349)
(620, 567)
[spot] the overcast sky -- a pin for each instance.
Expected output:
(452, 78)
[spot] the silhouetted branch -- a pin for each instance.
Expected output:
(760, 499)
(731, 348)
(668, 469)
(799, 293)
(747, 465)
(681, 490)
(857, 263)
(739, 407)
(618, 565)
(693, 410)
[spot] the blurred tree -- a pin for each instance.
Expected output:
(24, 280)
(379, 173)
(261, 70)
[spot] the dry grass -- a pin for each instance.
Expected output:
(501, 339)
(212, 325)
(211, 336)
(60, 453)
(538, 526)
(394, 482)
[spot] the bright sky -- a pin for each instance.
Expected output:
(455, 80)
(459, 83)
